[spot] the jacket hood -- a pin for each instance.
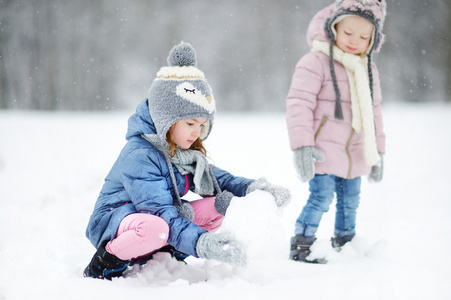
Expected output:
(140, 122)
(317, 29)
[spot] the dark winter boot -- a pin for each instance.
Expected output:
(180, 256)
(168, 249)
(300, 247)
(339, 241)
(105, 265)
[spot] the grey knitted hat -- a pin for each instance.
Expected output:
(180, 92)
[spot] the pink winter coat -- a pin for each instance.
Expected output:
(311, 106)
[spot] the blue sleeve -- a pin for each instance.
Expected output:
(143, 174)
(234, 184)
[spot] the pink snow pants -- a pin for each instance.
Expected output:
(141, 234)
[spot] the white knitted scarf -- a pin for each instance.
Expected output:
(361, 102)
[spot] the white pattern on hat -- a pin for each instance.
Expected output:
(183, 72)
(189, 92)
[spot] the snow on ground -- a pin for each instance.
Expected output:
(52, 166)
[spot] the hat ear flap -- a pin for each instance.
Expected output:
(377, 47)
(327, 29)
(182, 54)
(205, 130)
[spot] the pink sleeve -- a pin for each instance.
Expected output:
(301, 100)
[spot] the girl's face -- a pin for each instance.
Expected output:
(186, 132)
(354, 34)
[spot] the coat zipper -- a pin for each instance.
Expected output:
(321, 125)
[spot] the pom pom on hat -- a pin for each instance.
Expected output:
(182, 55)
(182, 61)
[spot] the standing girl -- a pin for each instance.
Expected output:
(334, 117)
(139, 210)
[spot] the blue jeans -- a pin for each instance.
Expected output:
(322, 189)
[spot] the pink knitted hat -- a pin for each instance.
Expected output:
(372, 10)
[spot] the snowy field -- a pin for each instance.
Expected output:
(52, 166)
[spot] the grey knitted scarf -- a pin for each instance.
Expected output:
(194, 162)
(189, 161)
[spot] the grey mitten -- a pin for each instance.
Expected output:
(221, 246)
(222, 202)
(281, 194)
(377, 171)
(304, 162)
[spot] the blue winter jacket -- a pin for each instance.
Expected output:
(139, 182)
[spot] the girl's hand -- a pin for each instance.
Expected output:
(281, 194)
(221, 246)
(377, 171)
(304, 162)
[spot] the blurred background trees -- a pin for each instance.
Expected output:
(104, 54)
